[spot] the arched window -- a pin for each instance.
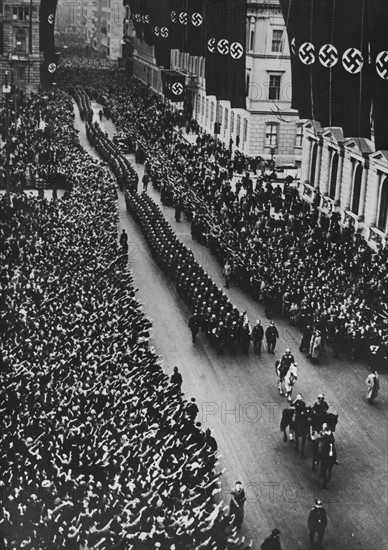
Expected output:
(357, 189)
(313, 164)
(333, 176)
(383, 206)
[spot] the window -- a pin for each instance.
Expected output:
(271, 135)
(226, 119)
(238, 125)
(357, 189)
(220, 115)
(333, 176)
(232, 123)
(274, 86)
(245, 131)
(20, 40)
(277, 41)
(203, 107)
(252, 39)
(207, 110)
(21, 13)
(313, 164)
(248, 82)
(299, 135)
(383, 207)
(211, 113)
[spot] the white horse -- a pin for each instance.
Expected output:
(287, 379)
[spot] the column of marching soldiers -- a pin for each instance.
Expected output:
(221, 322)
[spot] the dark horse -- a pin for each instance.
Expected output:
(299, 423)
(325, 454)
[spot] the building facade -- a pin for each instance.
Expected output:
(102, 26)
(19, 52)
(346, 176)
(268, 126)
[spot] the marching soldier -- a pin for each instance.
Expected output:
(194, 325)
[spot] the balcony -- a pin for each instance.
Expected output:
(377, 239)
(326, 206)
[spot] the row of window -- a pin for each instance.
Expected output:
(205, 107)
(382, 217)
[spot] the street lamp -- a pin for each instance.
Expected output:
(6, 92)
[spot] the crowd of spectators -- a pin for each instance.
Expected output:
(99, 448)
(305, 266)
(222, 323)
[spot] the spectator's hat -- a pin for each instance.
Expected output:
(275, 532)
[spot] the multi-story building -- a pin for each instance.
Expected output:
(268, 125)
(102, 22)
(68, 18)
(348, 177)
(19, 50)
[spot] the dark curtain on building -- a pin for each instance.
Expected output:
(195, 28)
(351, 108)
(47, 23)
(134, 6)
(235, 90)
(174, 87)
(178, 19)
(378, 32)
(298, 15)
(148, 33)
(161, 23)
(213, 30)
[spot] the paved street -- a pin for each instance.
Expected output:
(238, 399)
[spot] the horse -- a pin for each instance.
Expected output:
(325, 454)
(299, 424)
(286, 377)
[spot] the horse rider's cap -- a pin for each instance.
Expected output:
(318, 502)
(288, 350)
(275, 532)
(321, 396)
(299, 397)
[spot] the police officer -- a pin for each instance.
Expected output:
(257, 337)
(317, 523)
(271, 335)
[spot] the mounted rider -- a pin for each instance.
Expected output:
(299, 404)
(320, 409)
(285, 362)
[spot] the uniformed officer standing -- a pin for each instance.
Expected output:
(317, 522)
(257, 337)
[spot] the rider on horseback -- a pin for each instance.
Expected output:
(320, 409)
(286, 361)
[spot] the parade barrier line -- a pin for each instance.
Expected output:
(99, 449)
